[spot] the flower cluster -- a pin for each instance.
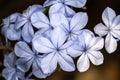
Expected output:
(44, 42)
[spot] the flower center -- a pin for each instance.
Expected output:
(85, 50)
(57, 49)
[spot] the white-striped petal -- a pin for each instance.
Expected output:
(96, 57)
(83, 63)
(110, 43)
(107, 16)
(42, 44)
(100, 29)
(75, 3)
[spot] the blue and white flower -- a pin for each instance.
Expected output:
(87, 47)
(61, 6)
(28, 58)
(55, 47)
(111, 28)
(73, 26)
(45, 24)
(9, 30)
(11, 72)
(25, 21)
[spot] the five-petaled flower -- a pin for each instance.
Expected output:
(87, 47)
(8, 28)
(11, 72)
(25, 21)
(72, 26)
(28, 57)
(55, 47)
(111, 29)
(61, 6)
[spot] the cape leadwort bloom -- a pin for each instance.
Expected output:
(44, 42)
(61, 6)
(28, 57)
(11, 72)
(43, 23)
(111, 29)
(73, 26)
(9, 29)
(87, 47)
(55, 47)
(25, 21)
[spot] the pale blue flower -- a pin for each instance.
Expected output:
(111, 28)
(87, 47)
(73, 26)
(8, 29)
(45, 24)
(74, 3)
(55, 47)
(28, 58)
(11, 72)
(61, 6)
(25, 21)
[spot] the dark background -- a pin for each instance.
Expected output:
(107, 71)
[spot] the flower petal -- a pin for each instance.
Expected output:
(67, 45)
(85, 37)
(72, 51)
(58, 37)
(36, 69)
(76, 3)
(23, 50)
(9, 60)
(97, 43)
(68, 12)
(27, 32)
(100, 29)
(96, 57)
(49, 63)
(20, 21)
(110, 44)
(13, 17)
(83, 63)
(35, 8)
(24, 63)
(78, 21)
(42, 44)
(116, 27)
(50, 2)
(8, 73)
(58, 20)
(39, 20)
(4, 30)
(116, 33)
(60, 8)
(116, 22)
(66, 62)
(13, 34)
(107, 16)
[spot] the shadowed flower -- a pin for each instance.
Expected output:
(45, 24)
(61, 6)
(111, 29)
(87, 47)
(55, 47)
(8, 29)
(25, 21)
(11, 72)
(28, 57)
